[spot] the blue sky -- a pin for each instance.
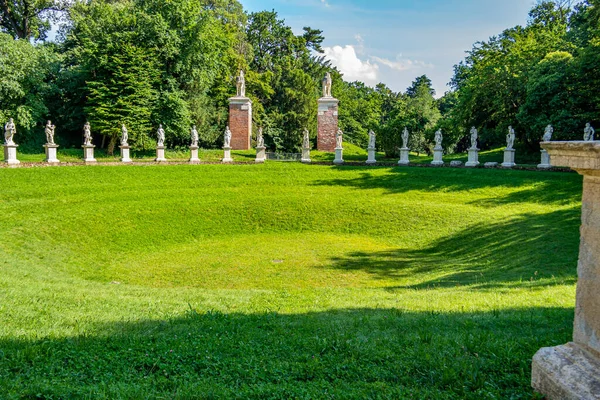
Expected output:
(394, 41)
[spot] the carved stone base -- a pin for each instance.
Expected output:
(88, 153)
(10, 154)
(306, 156)
(125, 154)
(509, 158)
(404, 156)
(261, 155)
(339, 155)
(545, 164)
(371, 159)
(438, 156)
(194, 159)
(160, 154)
(51, 153)
(566, 372)
(227, 155)
(473, 158)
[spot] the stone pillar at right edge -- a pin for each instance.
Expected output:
(572, 371)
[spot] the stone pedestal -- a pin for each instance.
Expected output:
(306, 156)
(404, 156)
(473, 158)
(438, 156)
(509, 158)
(240, 122)
(545, 164)
(51, 150)
(572, 371)
(339, 155)
(371, 158)
(327, 124)
(227, 155)
(194, 159)
(10, 154)
(261, 155)
(160, 154)
(125, 154)
(88, 153)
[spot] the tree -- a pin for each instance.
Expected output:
(29, 19)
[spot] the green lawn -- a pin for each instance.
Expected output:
(282, 280)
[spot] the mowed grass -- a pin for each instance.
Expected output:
(282, 280)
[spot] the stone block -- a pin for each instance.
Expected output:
(227, 155)
(306, 155)
(490, 164)
(509, 158)
(371, 156)
(194, 159)
(339, 156)
(125, 154)
(545, 163)
(160, 154)
(88, 153)
(456, 163)
(438, 157)
(10, 154)
(404, 153)
(240, 122)
(51, 151)
(261, 154)
(473, 158)
(327, 124)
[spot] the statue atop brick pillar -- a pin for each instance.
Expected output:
(572, 371)
(240, 116)
(327, 119)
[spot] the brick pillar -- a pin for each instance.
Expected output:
(572, 371)
(240, 122)
(327, 123)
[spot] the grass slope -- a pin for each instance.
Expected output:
(282, 280)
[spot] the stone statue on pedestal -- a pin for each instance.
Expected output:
(548, 134)
(474, 136)
(405, 138)
(339, 139)
(260, 140)
(306, 139)
(227, 141)
(160, 136)
(194, 137)
(438, 139)
(49, 132)
(124, 136)
(327, 82)
(9, 132)
(588, 133)
(510, 138)
(241, 84)
(87, 134)
(372, 139)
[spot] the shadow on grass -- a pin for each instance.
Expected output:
(361, 353)
(522, 251)
(556, 188)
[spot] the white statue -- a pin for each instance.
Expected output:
(510, 138)
(474, 136)
(405, 138)
(339, 138)
(227, 140)
(9, 132)
(160, 134)
(306, 139)
(548, 134)
(260, 140)
(87, 134)
(588, 133)
(327, 82)
(49, 133)
(124, 136)
(194, 137)
(241, 84)
(372, 139)
(438, 138)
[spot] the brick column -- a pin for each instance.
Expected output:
(572, 371)
(240, 122)
(327, 123)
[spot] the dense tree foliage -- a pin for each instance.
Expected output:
(147, 62)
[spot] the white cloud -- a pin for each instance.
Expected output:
(353, 68)
(402, 64)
